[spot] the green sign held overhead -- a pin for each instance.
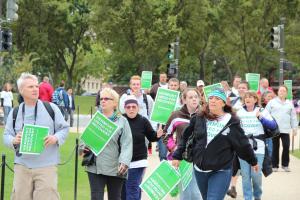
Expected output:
(164, 105)
(253, 80)
(146, 79)
(289, 85)
(208, 89)
(98, 133)
(32, 141)
(161, 181)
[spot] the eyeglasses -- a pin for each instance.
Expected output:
(131, 107)
(105, 99)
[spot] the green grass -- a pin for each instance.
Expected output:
(85, 103)
(65, 172)
(296, 153)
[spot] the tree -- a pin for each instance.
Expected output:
(56, 31)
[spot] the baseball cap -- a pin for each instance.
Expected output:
(130, 99)
(200, 83)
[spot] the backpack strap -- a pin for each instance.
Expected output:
(146, 102)
(49, 110)
(15, 113)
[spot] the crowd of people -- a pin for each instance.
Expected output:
(227, 127)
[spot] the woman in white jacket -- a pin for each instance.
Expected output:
(284, 113)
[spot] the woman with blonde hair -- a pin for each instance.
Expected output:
(110, 166)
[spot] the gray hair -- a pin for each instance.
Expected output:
(23, 77)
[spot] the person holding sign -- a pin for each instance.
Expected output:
(110, 166)
(253, 121)
(284, 113)
(35, 175)
(217, 137)
(174, 128)
(140, 128)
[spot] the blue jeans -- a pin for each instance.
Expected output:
(131, 189)
(213, 185)
(269, 144)
(192, 191)
(162, 150)
(6, 110)
(251, 179)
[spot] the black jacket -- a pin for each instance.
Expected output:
(140, 128)
(219, 153)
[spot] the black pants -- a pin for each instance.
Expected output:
(99, 181)
(285, 157)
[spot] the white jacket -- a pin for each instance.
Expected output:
(284, 114)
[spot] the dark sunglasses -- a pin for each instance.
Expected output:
(130, 107)
(105, 99)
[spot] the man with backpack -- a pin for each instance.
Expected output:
(60, 98)
(35, 176)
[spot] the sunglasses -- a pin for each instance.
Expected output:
(131, 107)
(105, 99)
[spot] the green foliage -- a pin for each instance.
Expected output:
(114, 39)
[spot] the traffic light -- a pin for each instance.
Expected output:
(172, 70)
(5, 40)
(276, 37)
(11, 10)
(287, 65)
(171, 51)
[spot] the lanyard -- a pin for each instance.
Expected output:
(35, 114)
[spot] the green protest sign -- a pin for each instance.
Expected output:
(164, 105)
(186, 173)
(146, 79)
(32, 141)
(253, 80)
(208, 89)
(98, 133)
(161, 181)
(289, 85)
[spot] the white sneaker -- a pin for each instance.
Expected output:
(286, 169)
(275, 169)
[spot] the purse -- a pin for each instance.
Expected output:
(88, 159)
(187, 155)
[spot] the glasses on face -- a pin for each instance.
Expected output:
(130, 107)
(105, 99)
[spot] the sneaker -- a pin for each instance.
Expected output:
(232, 192)
(286, 169)
(275, 169)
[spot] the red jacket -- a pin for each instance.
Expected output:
(46, 91)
